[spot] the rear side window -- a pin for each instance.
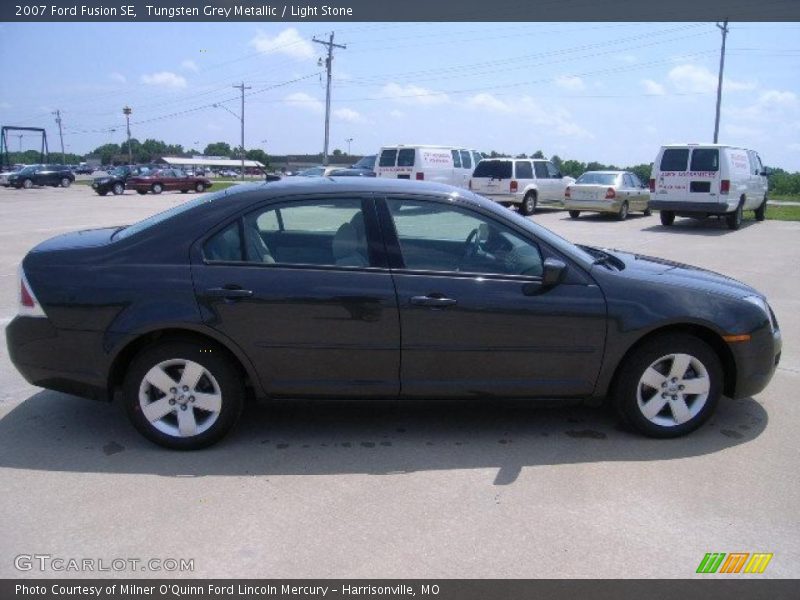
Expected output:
(456, 159)
(388, 158)
(466, 160)
(494, 169)
(405, 158)
(705, 159)
(524, 170)
(674, 159)
(541, 170)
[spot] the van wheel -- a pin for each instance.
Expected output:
(574, 214)
(667, 218)
(734, 219)
(528, 206)
(623, 211)
(761, 211)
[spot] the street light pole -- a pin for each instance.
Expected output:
(127, 112)
(348, 140)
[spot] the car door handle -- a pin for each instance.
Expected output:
(228, 292)
(435, 301)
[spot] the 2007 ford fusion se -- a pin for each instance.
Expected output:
(364, 288)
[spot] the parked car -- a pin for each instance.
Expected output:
(701, 180)
(115, 181)
(616, 192)
(84, 169)
(318, 171)
(440, 164)
(53, 175)
(365, 162)
(167, 180)
(351, 173)
(7, 172)
(375, 288)
(528, 183)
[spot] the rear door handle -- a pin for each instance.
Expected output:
(228, 292)
(435, 301)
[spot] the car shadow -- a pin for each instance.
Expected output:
(605, 217)
(706, 227)
(56, 432)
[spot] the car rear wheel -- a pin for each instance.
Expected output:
(157, 188)
(27, 184)
(669, 386)
(199, 188)
(118, 189)
(528, 206)
(622, 214)
(734, 220)
(65, 182)
(183, 395)
(667, 217)
(761, 211)
(574, 214)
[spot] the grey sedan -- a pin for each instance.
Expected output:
(616, 192)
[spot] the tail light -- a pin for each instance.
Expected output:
(514, 186)
(653, 185)
(420, 176)
(724, 186)
(610, 194)
(28, 304)
(567, 193)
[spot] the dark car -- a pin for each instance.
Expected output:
(352, 173)
(367, 163)
(84, 170)
(115, 180)
(53, 175)
(362, 288)
(167, 180)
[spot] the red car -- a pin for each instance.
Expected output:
(167, 180)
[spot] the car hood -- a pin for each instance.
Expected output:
(680, 274)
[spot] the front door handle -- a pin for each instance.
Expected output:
(228, 292)
(434, 301)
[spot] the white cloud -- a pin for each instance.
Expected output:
(689, 78)
(570, 82)
(397, 114)
(557, 119)
(484, 100)
(653, 87)
(165, 79)
(304, 101)
(190, 65)
(348, 114)
(118, 77)
(413, 94)
(778, 98)
(288, 42)
(771, 105)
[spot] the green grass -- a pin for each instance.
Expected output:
(784, 197)
(783, 213)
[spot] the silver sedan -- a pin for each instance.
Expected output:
(616, 192)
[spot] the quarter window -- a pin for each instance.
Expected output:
(541, 170)
(225, 245)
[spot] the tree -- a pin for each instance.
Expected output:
(106, 153)
(337, 152)
(556, 160)
(218, 149)
(259, 155)
(523, 155)
(538, 154)
(642, 172)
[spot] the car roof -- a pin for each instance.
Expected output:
(328, 185)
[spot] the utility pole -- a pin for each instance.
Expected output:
(348, 140)
(127, 112)
(724, 29)
(20, 136)
(57, 113)
(328, 64)
(242, 87)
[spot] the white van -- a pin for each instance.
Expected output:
(528, 182)
(442, 164)
(699, 180)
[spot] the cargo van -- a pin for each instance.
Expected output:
(701, 180)
(441, 164)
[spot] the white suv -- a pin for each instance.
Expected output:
(524, 181)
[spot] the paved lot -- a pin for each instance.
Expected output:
(452, 490)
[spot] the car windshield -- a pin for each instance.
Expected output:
(27, 170)
(598, 178)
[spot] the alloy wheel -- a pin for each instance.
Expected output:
(673, 390)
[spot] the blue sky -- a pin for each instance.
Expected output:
(591, 91)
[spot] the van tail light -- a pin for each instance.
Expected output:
(420, 176)
(653, 185)
(610, 194)
(568, 192)
(514, 186)
(724, 186)
(470, 184)
(28, 304)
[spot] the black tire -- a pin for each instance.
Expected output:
(141, 192)
(66, 182)
(734, 220)
(574, 214)
(647, 212)
(102, 193)
(118, 189)
(761, 211)
(27, 184)
(199, 188)
(157, 188)
(626, 388)
(667, 218)
(214, 361)
(528, 206)
(622, 214)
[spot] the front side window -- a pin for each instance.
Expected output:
(705, 159)
(443, 238)
(674, 159)
(388, 158)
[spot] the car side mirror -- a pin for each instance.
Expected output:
(553, 272)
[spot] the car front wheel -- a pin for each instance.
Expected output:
(199, 188)
(65, 182)
(27, 184)
(118, 189)
(183, 395)
(669, 386)
(157, 188)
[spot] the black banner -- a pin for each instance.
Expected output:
(399, 10)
